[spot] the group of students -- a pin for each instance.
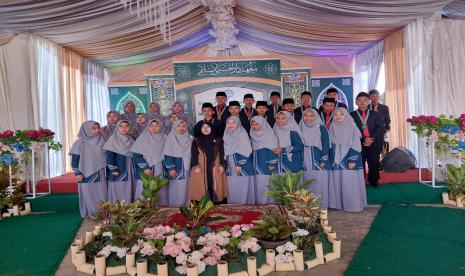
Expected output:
(232, 154)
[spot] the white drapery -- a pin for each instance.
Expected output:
(97, 102)
(17, 84)
(418, 41)
(50, 98)
(367, 66)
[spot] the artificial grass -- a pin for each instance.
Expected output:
(412, 240)
(406, 193)
(36, 244)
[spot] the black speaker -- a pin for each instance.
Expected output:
(398, 160)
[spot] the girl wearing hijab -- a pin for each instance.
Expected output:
(154, 112)
(148, 157)
(177, 154)
(129, 114)
(347, 184)
(119, 163)
(208, 176)
(88, 162)
(316, 154)
(238, 154)
(290, 145)
(140, 126)
(112, 119)
(177, 113)
(265, 161)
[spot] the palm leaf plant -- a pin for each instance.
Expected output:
(286, 184)
(197, 215)
(152, 185)
(273, 228)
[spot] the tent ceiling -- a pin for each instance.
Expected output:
(102, 30)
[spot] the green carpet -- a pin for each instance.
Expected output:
(412, 241)
(36, 244)
(407, 193)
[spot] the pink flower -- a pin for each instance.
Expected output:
(172, 249)
(247, 227)
(185, 244)
(210, 260)
(236, 234)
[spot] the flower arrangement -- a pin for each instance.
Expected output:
(448, 132)
(13, 142)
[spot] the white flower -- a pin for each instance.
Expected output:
(283, 258)
(181, 258)
(121, 252)
(180, 235)
(281, 249)
(107, 234)
(300, 233)
(201, 267)
(195, 257)
(290, 246)
(106, 251)
(181, 269)
(249, 244)
(202, 240)
(147, 250)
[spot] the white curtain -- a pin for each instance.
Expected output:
(97, 102)
(18, 97)
(448, 61)
(367, 66)
(418, 41)
(50, 97)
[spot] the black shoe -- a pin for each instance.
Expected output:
(375, 184)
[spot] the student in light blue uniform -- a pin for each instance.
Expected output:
(238, 154)
(177, 154)
(148, 158)
(317, 164)
(347, 184)
(119, 163)
(265, 159)
(290, 143)
(88, 161)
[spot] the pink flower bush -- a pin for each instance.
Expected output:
(158, 232)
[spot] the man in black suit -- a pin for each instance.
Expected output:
(306, 101)
(371, 126)
(208, 112)
(221, 109)
(247, 112)
(332, 93)
(274, 107)
(383, 111)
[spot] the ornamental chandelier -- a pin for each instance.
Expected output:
(155, 12)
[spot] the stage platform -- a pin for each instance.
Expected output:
(67, 183)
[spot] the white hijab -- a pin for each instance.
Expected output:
(264, 137)
(92, 157)
(344, 135)
(311, 132)
(237, 140)
(283, 133)
(118, 142)
(150, 145)
(179, 145)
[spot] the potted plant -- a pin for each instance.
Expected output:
(152, 185)
(286, 184)
(197, 215)
(455, 179)
(273, 230)
(304, 206)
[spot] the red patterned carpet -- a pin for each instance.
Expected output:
(230, 215)
(67, 183)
